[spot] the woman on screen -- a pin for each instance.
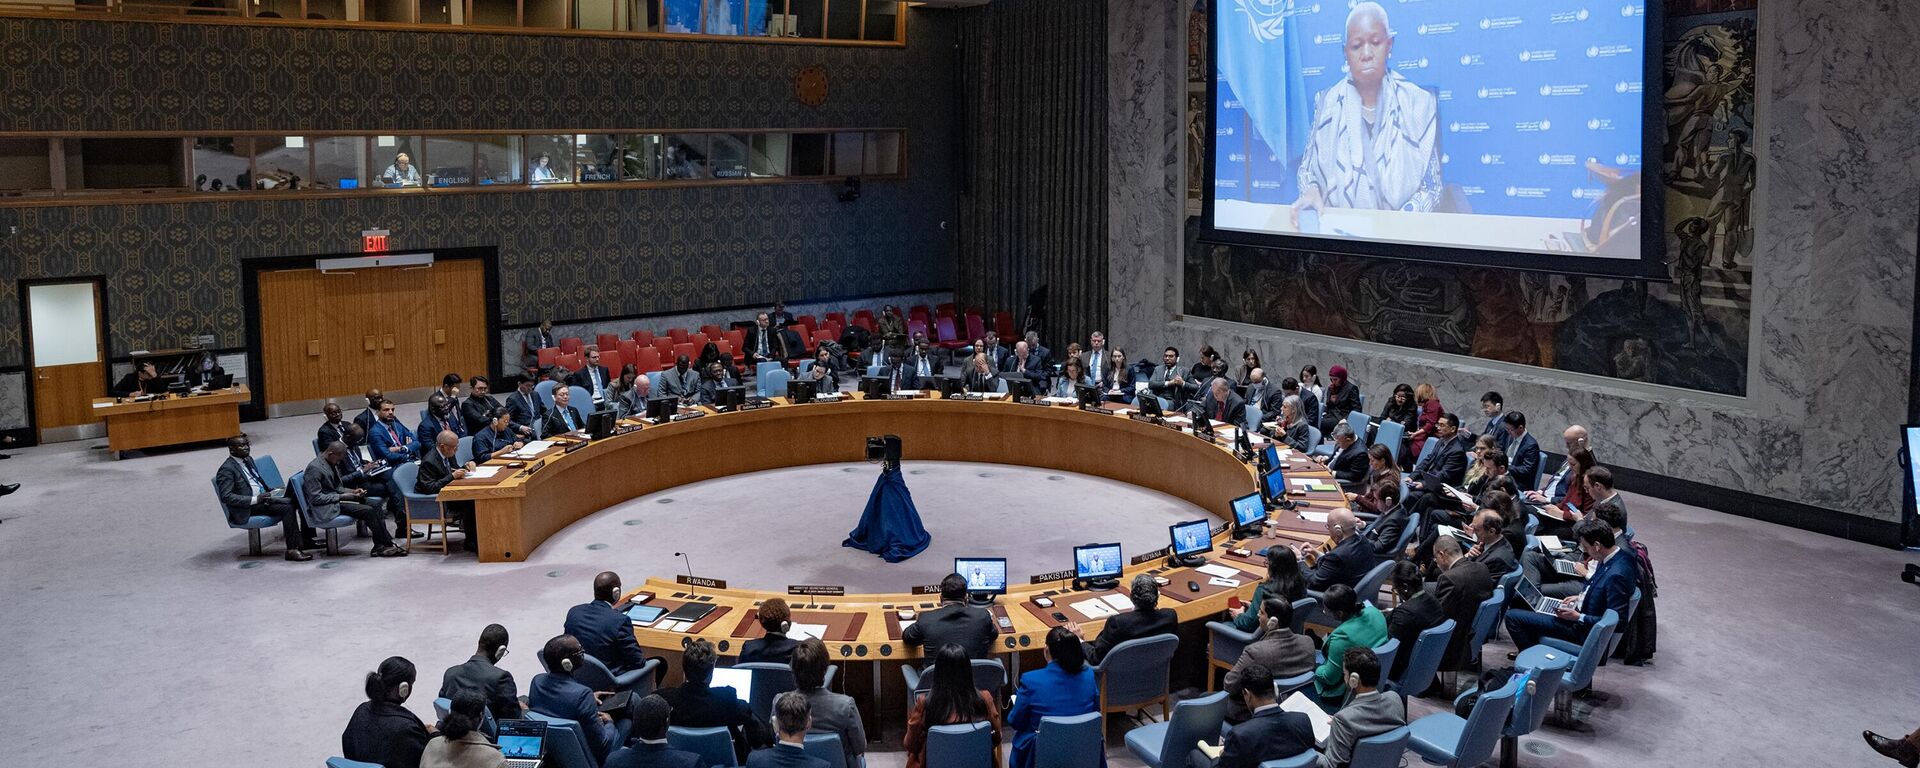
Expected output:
(1375, 137)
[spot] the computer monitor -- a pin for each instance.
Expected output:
(1149, 404)
(1274, 485)
(1099, 565)
(1086, 394)
(1019, 387)
(1270, 458)
(729, 398)
(801, 390)
(522, 739)
(949, 386)
(875, 387)
(154, 386)
(220, 381)
(600, 424)
(1189, 540)
(1248, 512)
(662, 408)
(986, 576)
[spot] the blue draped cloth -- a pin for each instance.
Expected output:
(890, 526)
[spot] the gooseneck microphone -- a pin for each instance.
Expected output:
(691, 588)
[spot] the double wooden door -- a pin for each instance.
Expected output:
(340, 333)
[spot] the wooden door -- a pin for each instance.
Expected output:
(338, 334)
(68, 355)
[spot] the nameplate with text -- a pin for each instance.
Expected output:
(1042, 578)
(700, 581)
(1154, 555)
(926, 589)
(816, 590)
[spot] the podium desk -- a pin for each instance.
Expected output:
(171, 419)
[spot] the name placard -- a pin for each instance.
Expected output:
(1154, 555)
(926, 589)
(1042, 578)
(700, 581)
(818, 590)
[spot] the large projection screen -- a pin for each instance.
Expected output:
(1512, 133)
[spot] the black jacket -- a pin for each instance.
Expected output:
(607, 634)
(384, 733)
(957, 623)
(1271, 734)
(1132, 625)
(1344, 564)
(773, 649)
(1460, 590)
(1350, 467)
(435, 472)
(494, 684)
(1407, 622)
(1447, 464)
(557, 425)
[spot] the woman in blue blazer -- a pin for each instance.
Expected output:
(1063, 688)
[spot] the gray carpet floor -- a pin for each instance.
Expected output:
(138, 633)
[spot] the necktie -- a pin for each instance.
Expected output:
(253, 476)
(763, 343)
(923, 367)
(567, 415)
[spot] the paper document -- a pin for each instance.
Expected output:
(1301, 481)
(1322, 722)
(907, 623)
(482, 473)
(1458, 494)
(1093, 608)
(1312, 516)
(532, 449)
(1211, 750)
(907, 392)
(1220, 582)
(993, 395)
(1050, 400)
(1216, 569)
(829, 396)
(1119, 603)
(1551, 543)
(815, 631)
(1546, 514)
(1323, 487)
(675, 626)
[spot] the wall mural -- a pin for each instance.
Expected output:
(1689, 333)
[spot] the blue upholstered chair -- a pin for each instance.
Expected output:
(316, 446)
(1586, 658)
(1530, 706)
(873, 370)
(1386, 652)
(1633, 606)
(801, 368)
(545, 390)
(1390, 434)
(1165, 744)
(827, 746)
(761, 368)
(1381, 750)
(1369, 585)
(1424, 662)
(774, 383)
(1484, 619)
(1303, 760)
(269, 471)
(1443, 738)
(769, 681)
(1135, 673)
(961, 745)
(1286, 685)
(421, 507)
(582, 399)
(296, 488)
(1357, 421)
(566, 743)
(1426, 450)
(596, 675)
(989, 675)
(713, 745)
(1253, 417)
(1225, 642)
(443, 705)
(464, 453)
(341, 762)
(252, 525)
(1070, 742)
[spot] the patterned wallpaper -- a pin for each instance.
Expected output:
(174, 268)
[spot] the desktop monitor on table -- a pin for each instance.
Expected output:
(1274, 485)
(600, 424)
(662, 408)
(1190, 539)
(1098, 565)
(1019, 387)
(802, 390)
(1271, 456)
(1249, 512)
(986, 576)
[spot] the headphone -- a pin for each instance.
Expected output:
(499, 653)
(566, 664)
(785, 625)
(404, 690)
(1272, 624)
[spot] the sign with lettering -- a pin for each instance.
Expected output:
(1154, 555)
(926, 589)
(373, 240)
(818, 590)
(701, 581)
(1042, 578)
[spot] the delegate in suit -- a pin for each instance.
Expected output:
(328, 499)
(1065, 687)
(1609, 589)
(954, 622)
(1146, 619)
(482, 675)
(605, 633)
(555, 693)
(775, 647)
(244, 493)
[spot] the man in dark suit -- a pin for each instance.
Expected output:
(1383, 534)
(482, 675)
(712, 380)
(371, 416)
(1492, 550)
(1221, 404)
(919, 367)
(1262, 394)
(697, 704)
(244, 493)
(1463, 585)
(328, 499)
(438, 468)
(1419, 610)
(562, 417)
(592, 377)
(389, 440)
(996, 354)
(1523, 452)
(767, 342)
(538, 339)
(1347, 562)
(477, 409)
(1168, 381)
(603, 630)
(650, 716)
(1025, 363)
(374, 474)
(525, 406)
(555, 693)
(1447, 463)
(1491, 405)
(775, 647)
(1098, 359)
(1271, 733)
(496, 436)
(441, 417)
(1349, 460)
(953, 622)
(792, 718)
(334, 428)
(1610, 588)
(780, 317)
(1146, 619)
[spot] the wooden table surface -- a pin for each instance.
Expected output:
(173, 419)
(523, 506)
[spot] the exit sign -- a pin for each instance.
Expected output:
(373, 241)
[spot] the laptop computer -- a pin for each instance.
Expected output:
(1566, 568)
(741, 680)
(523, 742)
(220, 381)
(1530, 595)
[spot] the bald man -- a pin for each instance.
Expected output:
(1374, 143)
(1346, 562)
(605, 632)
(1024, 362)
(1553, 490)
(1222, 404)
(371, 416)
(438, 468)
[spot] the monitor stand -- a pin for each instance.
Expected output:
(1185, 561)
(1245, 532)
(981, 599)
(1097, 585)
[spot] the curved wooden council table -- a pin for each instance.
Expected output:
(514, 515)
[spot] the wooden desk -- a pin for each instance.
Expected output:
(172, 420)
(516, 514)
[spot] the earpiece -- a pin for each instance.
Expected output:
(1273, 624)
(499, 653)
(566, 664)
(1353, 681)
(785, 626)
(404, 690)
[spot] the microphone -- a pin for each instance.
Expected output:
(691, 589)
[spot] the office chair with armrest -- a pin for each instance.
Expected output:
(1135, 674)
(566, 743)
(252, 525)
(713, 745)
(1443, 738)
(341, 762)
(1079, 741)
(1166, 744)
(421, 507)
(296, 487)
(961, 745)
(827, 746)
(1225, 643)
(1424, 663)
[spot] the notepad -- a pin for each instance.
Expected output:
(1323, 487)
(829, 396)
(993, 395)
(1220, 582)
(1459, 494)
(1313, 517)
(1322, 722)
(905, 624)
(1119, 603)
(482, 473)
(532, 449)
(1551, 543)
(815, 631)
(1058, 400)
(1094, 608)
(1300, 481)
(1216, 569)
(676, 626)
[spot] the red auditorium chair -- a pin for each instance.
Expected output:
(945, 310)
(643, 338)
(569, 345)
(606, 341)
(679, 335)
(648, 361)
(949, 338)
(699, 340)
(548, 358)
(692, 352)
(1003, 326)
(837, 318)
(976, 328)
(917, 325)
(664, 346)
(571, 362)
(713, 331)
(629, 350)
(737, 337)
(611, 359)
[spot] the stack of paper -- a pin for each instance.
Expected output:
(1216, 569)
(1050, 400)
(1312, 516)
(1322, 722)
(532, 449)
(482, 473)
(815, 631)
(1094, 607)
(993, 395)
(1119, 603)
